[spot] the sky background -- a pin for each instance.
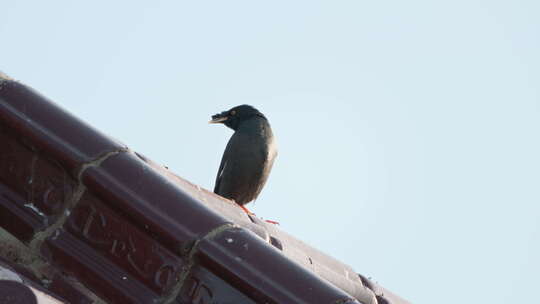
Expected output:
(407, 130)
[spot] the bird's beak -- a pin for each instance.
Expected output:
(218, 118)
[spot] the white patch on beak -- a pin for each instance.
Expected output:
(218, 120)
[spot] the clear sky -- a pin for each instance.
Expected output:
(408, 130)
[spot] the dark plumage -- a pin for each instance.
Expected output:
(248, 157)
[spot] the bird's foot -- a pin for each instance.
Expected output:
(246, 210)
(249, 213)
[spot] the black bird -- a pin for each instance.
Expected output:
(248, 157)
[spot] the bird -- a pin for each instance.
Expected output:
(248, 157)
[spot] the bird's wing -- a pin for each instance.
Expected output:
(230, 150)
(240, 158)
(222, 167)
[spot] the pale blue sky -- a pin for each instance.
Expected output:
(408, 130)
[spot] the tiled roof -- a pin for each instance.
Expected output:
(89, 220)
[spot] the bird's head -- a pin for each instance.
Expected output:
(235, 116)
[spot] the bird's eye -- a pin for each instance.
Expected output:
(233, 112)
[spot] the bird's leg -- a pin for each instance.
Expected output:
(246, 210)
(249, 213)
